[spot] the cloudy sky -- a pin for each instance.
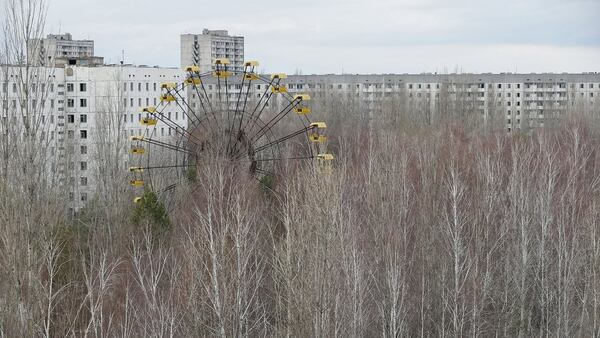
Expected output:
(353, 36)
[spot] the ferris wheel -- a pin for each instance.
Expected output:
(229, 114)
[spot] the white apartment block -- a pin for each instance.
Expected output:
(202, 49)
(86, 109)
(61, 49)
(515, 101)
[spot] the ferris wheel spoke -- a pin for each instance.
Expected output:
(280, 159)
(196, 121)
(237, 104)
(141, 169)
(160, 116)
(267, 127)
(166, 145)
(265, 94)
(280, 140)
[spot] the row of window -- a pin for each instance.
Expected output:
(33, 88)
(131, 86)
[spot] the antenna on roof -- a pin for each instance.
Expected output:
(122, 56)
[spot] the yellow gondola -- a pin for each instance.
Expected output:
(279, 89)
(137, 183)
(302, 110)
(317, 138)
(251, 63)
(279, 76)
(251, 76)
(302, 97)
(318, 125)
(137, 151)
(222, 61)
(136, 169)
(325, 157)
(137, 200)
(136, 138)
(194, 69)
(168, 85)
(167, 98)
(221, 74)
(146, 121)
(193, 81)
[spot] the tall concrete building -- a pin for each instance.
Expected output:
(202, 49)
(61, 49)
(85, 116)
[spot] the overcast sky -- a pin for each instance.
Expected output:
(353, 36)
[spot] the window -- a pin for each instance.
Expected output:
(131, 102)
(70, 87)
(70, 118)
(154, 85)
(83, 103)
(82, 87)
(83, 134)
(139, 86)
(14, 88)
(147, 86)
(83, 196)
(131, 86)
(83, 165)
(124, 87)
(83, 150)
(83, 118)
(70, 134)
(139, 102)
(70, 103)
(83, 181)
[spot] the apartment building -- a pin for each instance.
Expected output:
(517, 101)
(202, 49)
(87, 115)
(61, 49)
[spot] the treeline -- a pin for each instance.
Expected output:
(426, 231)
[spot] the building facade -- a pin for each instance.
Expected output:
(202, 49)
(84, 117)
(61, 49)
